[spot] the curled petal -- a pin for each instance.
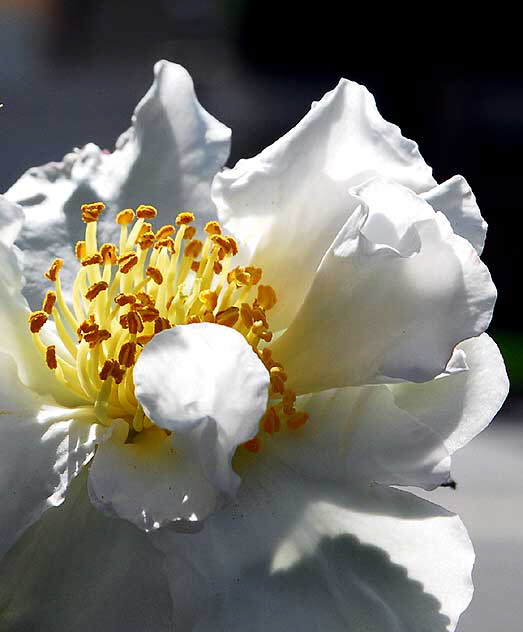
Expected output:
(289, 202)
(396, 292)
(455, 199)
(204, 384)
(459, 406)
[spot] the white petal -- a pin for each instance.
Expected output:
(393, 296)
(296, 554)
(455, 199)
(359, 435)
(15, 337)
(11, 220)
(78, 570)
(43, 448)
(458, 407)
(167, 158)
(203, 383)
(289, 202)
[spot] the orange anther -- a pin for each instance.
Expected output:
(49, 302)
(95, 289)
(108, 253)
(184, 218)
(160, 324)
(91, 212)
(54, 269)
(266, 297)
(246, 315)
(253, 445)
(36, 321)
(195, 266)
(146, 240)
(146, 211)
(127, 354)
(213, 228)
(297, 420)
(124, 299)
(154, 274)
(50, 357)
(228, 317)
(125, 217)
(127, 262)
(208, 298)
(92, 260)
(189, 232)
(165, 231)
(193, 249)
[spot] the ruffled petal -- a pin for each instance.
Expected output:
(360, 435)
(392, 297)
(289, 202)
(296, 554)
(203, 383)
(167, 158)
(43, 449)
(455, 199)
(458, 407)
(78, 570)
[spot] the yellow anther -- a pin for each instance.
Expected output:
(228, 317)
(208, 317)
(213, 228)
(127, 262)
(154, 274)
(108, 253)
(127, 354)
(133, 322)
(209, 298)
(146, 240)
(266, 297)
(297, 420)
(124, 299)
(54, 269)
(50, 357)
(146, 211)
(193, 249)
(256, 274)
(254, 445)
(184, 218)
(95, 289)
(144, 228)
(80, 250)
(239, 276)
(233, 246)
(92, 260)
(91, 212)
(271, 422)
(36, 321)
(125, 217)
(221, 241)
(246, 315)
(160, 324)
(165, 231)
(49, 302)
(189, 232)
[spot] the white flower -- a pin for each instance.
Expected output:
(255, 443)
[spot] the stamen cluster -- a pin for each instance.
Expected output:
(153, 280)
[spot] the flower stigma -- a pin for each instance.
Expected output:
(123, 295)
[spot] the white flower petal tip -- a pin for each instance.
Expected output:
(168, 158)
(292, 197)
(393, 296)
(11, 220)
(454, 198)
(204, 384)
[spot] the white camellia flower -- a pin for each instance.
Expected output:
(228, 400)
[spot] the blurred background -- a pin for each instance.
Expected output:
(71, 72)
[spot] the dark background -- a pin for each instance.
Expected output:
(71, 71)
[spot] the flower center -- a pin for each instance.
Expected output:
(123, 295)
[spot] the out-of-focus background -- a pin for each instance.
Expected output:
(71, 72)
